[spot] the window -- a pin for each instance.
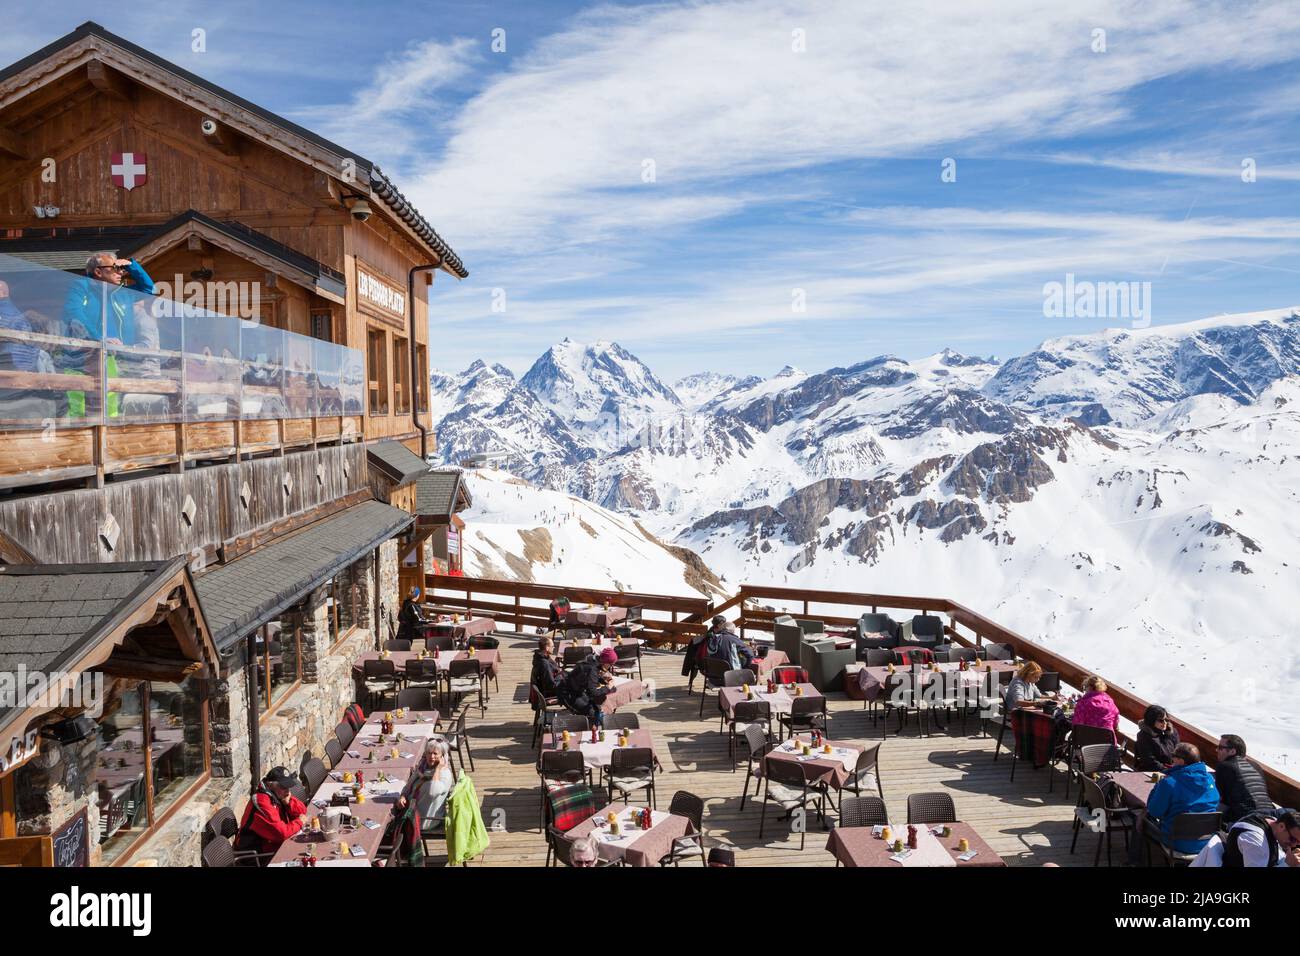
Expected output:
(279, 661)
(172, 742)
(422, 383)
(377, 368)
(401, 375)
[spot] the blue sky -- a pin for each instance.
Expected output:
(797, 152)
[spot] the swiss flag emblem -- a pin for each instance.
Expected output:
(129, 170)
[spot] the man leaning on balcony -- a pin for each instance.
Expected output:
(96, 295)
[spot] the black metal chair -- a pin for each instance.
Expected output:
(457, 739)
(805, 714)
(715, 674)
(787, 787)
(465, 677)
(397, 644)
(631, 770)
(334, 751)
(573, 723)
(379, 677)
(746, 714)
(415, 698)
(931, 808)
(625, 721)
(688, 805)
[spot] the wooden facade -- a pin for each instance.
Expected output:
(284, 193)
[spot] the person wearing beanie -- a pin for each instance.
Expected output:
(585, 688)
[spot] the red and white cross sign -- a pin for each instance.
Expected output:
(129, 170)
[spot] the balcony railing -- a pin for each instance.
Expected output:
(76, 352)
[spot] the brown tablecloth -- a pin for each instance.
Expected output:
(491, 660)
(773, 659)
(597, 618)
(1137, 787)
(625, 691)
(828, 769)
(638, 847)
(855, 846)
(461, 629)
(596, 755)
(412, 723)
(871, 680)
(378, 808)
(780, 703)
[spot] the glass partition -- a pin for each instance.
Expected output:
(75, 351)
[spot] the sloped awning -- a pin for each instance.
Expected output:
(396, 462)
(246, 593)
(138, 620)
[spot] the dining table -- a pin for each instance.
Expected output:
(597, 754)
(594, 617)
(632, 845)
(367, 752)
(622, 692)
(461, 630)
(362, 832)
(833, 767)
(864, 846)
(872, 680)
(780, 699)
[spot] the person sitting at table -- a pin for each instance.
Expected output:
(1023, 688)
(433, 797)
(1096, 708)
(1256, 840)
(273, 815)
(585, 688)
(409, 618)
(1240, 783)
(1187, 788)
(547, 673)
(583, 853)
(696, 651)
(1156, 740)
(722, 644)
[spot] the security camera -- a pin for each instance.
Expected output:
(360, 210)
(52, 211)
(209, 127)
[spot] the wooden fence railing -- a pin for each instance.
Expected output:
(527, 606)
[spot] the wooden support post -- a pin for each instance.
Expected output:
(519, 617)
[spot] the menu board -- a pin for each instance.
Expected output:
(72, 842)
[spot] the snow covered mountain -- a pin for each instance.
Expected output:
(1127, 497)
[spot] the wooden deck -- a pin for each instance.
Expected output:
(1024, 823)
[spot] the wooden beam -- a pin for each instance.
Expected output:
(13, 144)
(149, 668)
(108, 81)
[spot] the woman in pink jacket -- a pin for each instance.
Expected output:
(1096, 708)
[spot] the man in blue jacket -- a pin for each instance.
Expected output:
(99, 294)
(1188, 788)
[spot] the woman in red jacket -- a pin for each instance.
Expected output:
(273, 815)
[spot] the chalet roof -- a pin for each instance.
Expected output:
(251, 590)
(440, 494)
(365, 170)
(396, 462)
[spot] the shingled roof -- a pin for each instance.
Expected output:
(252, 590)
(440, 494)
(396, 462)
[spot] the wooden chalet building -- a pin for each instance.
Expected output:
(198, 504)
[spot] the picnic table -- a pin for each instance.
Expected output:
(780, 700)
(633, 846)
(862, 846)
(597, 754)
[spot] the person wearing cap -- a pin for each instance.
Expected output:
(585, 688)
(409, 618)
(273, 815)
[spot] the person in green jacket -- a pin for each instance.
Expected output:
(96, 308)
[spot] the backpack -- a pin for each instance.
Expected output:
(1232, 853)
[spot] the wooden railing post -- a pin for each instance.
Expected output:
(519, 617)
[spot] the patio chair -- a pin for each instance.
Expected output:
(422, 674)
(631, 770)
(439, 642)
(573, 723)
(545, 710)
(956, 653)
(575, 654)
(333, 752)
(878, 656)
(1092, 810)
(688, 805)
(313, 774)
(624, 721)
(825, 662)
(465, 677)
(863, 812)
(722, 856)
(786, 636)
(746, 714)
(629, 660)
(560, 768)
(344, 734)
(219, 853)
(397, 644)
(715, 673)
(415, 698)
(379, 678)
(876, 632)
(927, 630)
(1049, 683)
(631, 626)
(996, 652)
(738, 677)
(806, 713)
(457, 739)
(1185, 826)
(931, 808)
(866, 772)
(1083, 737)
(561, 846)
(787, 787)
(760, 745)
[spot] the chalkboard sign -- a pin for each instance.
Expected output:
(72, 842)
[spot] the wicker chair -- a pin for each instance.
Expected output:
(344, 734)
(931, 808)
(397, 644)
(787, 787)
(1185, 826)
(863, 812)
(334, 752)
(313, 773)
(624, 721)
